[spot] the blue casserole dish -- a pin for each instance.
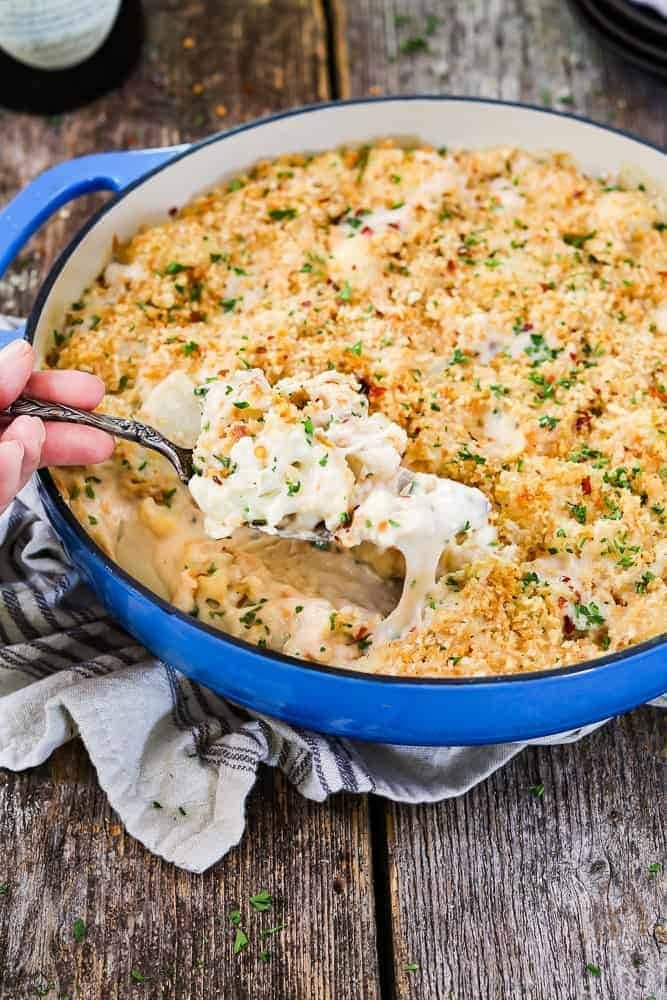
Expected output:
(378, 708)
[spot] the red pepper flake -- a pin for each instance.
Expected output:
(527, 326)
(561, 602)
(545, 286)
(573, 355)
(361, 633)
(359, 212)
(451, 265)
(366, 231)
(583, 420)
(217, 479)
(568, 627)
(394, 225)
(565, 579)
(586, 485)
(306, 303)
(657, 394)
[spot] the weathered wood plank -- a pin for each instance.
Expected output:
(501, 894)
(65, 856)
(206, 65)
(505, 893)
(518, 50)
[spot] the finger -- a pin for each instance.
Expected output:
(72, 388)
(11, 460)
(71, 444)
(30, 432)
(16, 361)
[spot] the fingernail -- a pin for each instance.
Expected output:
(12, 352)
(30, 423)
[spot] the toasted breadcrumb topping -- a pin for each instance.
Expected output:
(508, 312)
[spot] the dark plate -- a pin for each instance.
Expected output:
(645, 19)
(609, 22)
(631, 54)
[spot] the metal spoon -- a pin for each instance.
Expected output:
(142, 434)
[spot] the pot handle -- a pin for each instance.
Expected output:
(32, 206)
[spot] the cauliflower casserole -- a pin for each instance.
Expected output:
(494, 323)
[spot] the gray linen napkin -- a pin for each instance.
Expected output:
(175, 760)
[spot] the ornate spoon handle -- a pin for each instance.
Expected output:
(131, 430)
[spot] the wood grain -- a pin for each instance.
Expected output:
(65, 856)
(506, 894)
(497, 895)
(517, 50)
(248, 59)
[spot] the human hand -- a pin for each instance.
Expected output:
(28, 443)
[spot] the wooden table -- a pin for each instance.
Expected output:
(502, 894)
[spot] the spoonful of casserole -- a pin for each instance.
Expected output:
(304, 459)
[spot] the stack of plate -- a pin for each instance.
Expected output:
(635, 31)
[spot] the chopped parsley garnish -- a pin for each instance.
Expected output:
(278, 214)
(411, 967)
(190, 348)
(345, 293)
(529, 578)
(228, 305)
(499, 390)
(619, 478)
(539, 351)
(240, 941)
(138, 977)
(466, 455)
(123, 382)
(236, 184)
(94, 322)
(79, 930)
(584, 453)
(578, 239)
(168, 496)
(356, 348)
(578, 512)
(594, 970)
(588, 616)
(413, 45)
(459, 358)
(547, 389)
(261, 901)
(549, 422)
(537, 790)
(242, 405)
(323, 461)
(644, 581)
(175, 268)
(293, 488)
(309, 429)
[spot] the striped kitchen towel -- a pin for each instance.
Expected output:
(67, 669)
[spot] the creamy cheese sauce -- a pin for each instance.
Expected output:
(306, 453)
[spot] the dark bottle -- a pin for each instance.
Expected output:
(56, 55)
